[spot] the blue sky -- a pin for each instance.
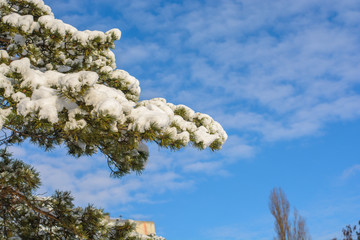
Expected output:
(282, 77)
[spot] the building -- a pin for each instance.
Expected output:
(146, 228)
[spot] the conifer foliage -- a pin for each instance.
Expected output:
(60, 85)
(24, 215)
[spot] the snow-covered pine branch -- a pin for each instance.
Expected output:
(60, 85)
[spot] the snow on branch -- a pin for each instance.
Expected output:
(63, 83)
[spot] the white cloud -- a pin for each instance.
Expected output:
(259, 229)
(134, 52)
(89, 181)
(266, 70)
(298, 68)
(263, 72)
(353, 170)
(299, 74)
(334, 213)
(215, 168)
(140, 217)
(17, 151)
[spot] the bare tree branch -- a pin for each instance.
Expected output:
(280, 208)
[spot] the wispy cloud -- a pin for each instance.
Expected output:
(348, 173)
(297, 67)
(206, 167)
(266, 70)
(334, 213)
(299, 74)
(88, 178)
(259, 229)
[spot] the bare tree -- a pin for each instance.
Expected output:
(299, 231)
(280, 208)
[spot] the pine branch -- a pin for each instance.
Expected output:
(4, 191)
(5, 40)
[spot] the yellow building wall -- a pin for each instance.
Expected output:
(145, 227)
(142, 227)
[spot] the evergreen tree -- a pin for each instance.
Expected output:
(59, 85)
(24, 215)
